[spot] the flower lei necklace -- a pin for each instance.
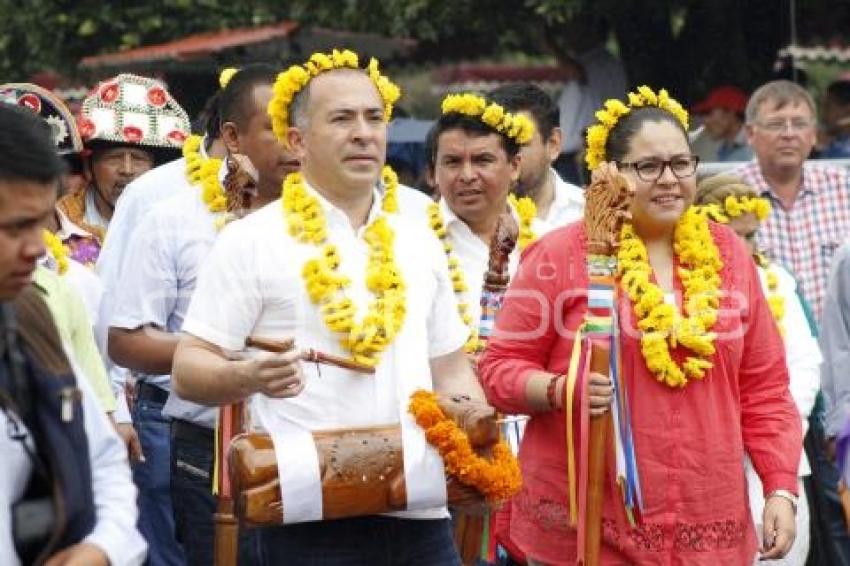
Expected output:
(203, 171)
(775, 300)
(325, 285)
(526, 210)
(497, 480)
(438, 225)
(662, 326)
(57, 250)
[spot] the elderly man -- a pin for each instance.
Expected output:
(128, 124)
(811, 203)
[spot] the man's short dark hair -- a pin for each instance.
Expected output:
(27, 149)
(472, 125)
(236, 100)
(528, 97)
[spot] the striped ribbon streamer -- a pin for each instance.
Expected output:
(600, 325)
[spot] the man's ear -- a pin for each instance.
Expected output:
(750, 129)
(553, 144)
(230, 137)
(516, 164)
(295, 141)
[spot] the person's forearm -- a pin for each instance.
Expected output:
(537, 390)
(453, 375)
(205, 376)
(146, 349)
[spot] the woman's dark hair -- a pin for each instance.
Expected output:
(620, 136)
(471, 125)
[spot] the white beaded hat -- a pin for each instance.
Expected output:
(133, 110)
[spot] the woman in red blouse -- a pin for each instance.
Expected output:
(690, 438)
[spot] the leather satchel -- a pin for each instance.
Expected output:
(361, 469)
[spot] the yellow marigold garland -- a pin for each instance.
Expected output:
(290, 82)
(613, 110)
(438, 226)
(497, 480)
(193, 157)
(526, 210)
(661, 324)
(57, 250)
(515, 126)
(203, 171)
(775, 300)
(389, 178)
(325, 285)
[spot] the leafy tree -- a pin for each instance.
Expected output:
(56, 34)
(686, 45)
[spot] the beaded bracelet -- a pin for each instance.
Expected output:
(550, 391)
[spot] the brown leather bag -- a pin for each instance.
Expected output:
(362, 469)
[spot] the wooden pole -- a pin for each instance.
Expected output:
(597, 449)
(226, 524)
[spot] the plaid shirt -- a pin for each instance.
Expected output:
(805, 238)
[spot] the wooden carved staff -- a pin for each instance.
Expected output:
(240, 188)
(470, 528)
(607, 203)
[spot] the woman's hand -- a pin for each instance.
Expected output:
(600, 394)
(780, 528)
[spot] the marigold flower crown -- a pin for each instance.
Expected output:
(515, 126)
(290, 82)
(613, 110)
(734, 206)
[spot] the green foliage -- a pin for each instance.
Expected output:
(685, 45)
(56, 34)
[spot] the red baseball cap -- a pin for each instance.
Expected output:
(726, 97)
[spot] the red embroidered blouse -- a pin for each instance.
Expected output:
(690, 442)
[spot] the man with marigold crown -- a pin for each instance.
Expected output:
(168, 248)
(474, 163)
(328, 266)
(557, 202)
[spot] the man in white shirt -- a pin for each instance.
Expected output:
(168, 248)
(251, 284)
(473, 167)
(60, 460)
(558, 203)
